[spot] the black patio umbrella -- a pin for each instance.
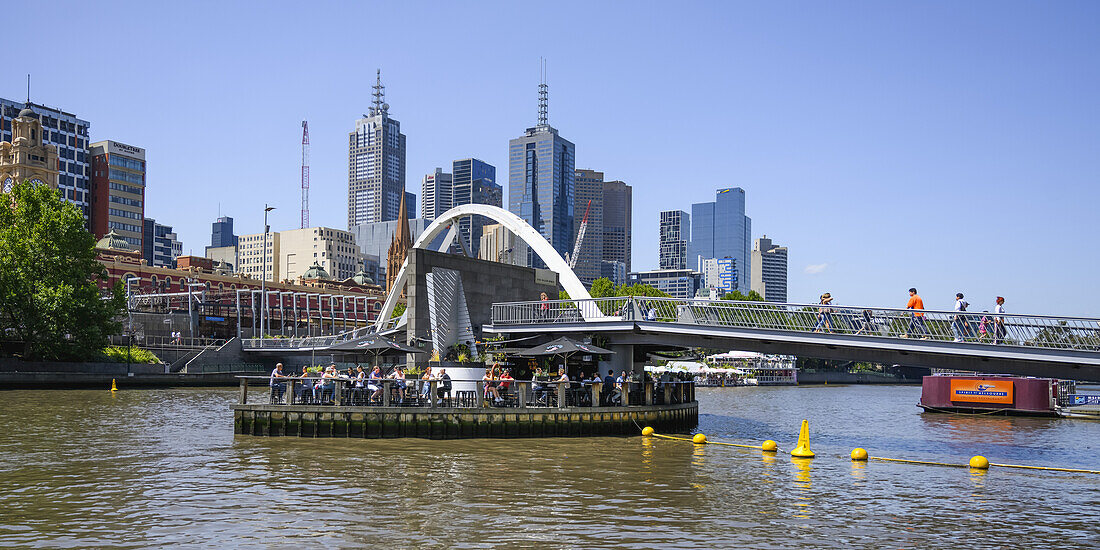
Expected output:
(564, 347)
(374, 345)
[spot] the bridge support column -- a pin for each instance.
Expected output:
(622, 359)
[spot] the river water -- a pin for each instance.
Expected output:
(145, 468)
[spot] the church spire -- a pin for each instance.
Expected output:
(400, 246)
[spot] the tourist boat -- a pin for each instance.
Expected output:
(996, 394)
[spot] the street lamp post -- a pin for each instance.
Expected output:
(129, 323)
(263, 273)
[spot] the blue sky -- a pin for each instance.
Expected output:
(943, 145)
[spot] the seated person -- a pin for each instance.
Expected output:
(506, 380)
(278, 387)
(491, 386)
(607, 392)
(426, 383)
(398, 376)
(444, 387)
(374, 383)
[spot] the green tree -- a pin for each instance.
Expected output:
(752, 296)
(49, 298)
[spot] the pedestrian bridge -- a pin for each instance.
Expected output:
(1029, 345)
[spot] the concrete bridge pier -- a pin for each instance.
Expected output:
(622, 359)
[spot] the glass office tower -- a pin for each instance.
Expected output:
(720, 229)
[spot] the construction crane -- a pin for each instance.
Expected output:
(580, 237)
(305, 174)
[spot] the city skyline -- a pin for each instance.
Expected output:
(928, 124)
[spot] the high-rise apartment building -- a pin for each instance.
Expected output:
(117, 199)
(68, 135)
(474, 183)
(160, 246)
(588, 200)
(720, 229)
(500, 245)
(410, 205)
(675, 226)
(719, 274)
(769, 270)
(290, 254)
(617, 207)
(221, 233)
(435, 194)
(541, 171)
(678, 283)
(376, 164)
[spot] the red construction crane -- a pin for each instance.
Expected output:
(580, 237)
(305, 174)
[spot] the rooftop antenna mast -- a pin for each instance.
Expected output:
(28, 88)
(379, 105)
(305, 174)
(542, 92)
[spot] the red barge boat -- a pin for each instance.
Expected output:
(996, 394)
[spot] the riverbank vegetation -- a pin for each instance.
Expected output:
(51, 307)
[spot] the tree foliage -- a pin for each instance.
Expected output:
(49, 300)
(752, 296)
(604, 288)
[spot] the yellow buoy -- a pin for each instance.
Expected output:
(647, 431)
(770, 446)
(699, 439)
(859, 453)
(802, 450)
(113, 386)
(979, 463)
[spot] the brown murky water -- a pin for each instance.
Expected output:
(163, 468)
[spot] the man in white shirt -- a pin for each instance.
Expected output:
(958, 324)
(999, 330)
(278, 387)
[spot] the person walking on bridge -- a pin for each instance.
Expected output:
(916, 323)
(825, 314)
(958, 324)
(999, 330)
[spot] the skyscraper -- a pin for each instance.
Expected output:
(588, 198)
(69, 135)
(720, 229)
(221, 233)
(474, 183)
(117, 200)
(541, 168)
(160, 247)
(675, 225)
(617, 207)
(769, 270)
(435, 194)
(376, 164)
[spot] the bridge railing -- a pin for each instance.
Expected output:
(1041, 331)
(308, 342)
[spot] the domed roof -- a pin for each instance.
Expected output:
(112, 241)
(27, 112)
(315, 271)
(361, 278)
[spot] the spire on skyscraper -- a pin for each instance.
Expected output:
(379, 105)
(542, 93)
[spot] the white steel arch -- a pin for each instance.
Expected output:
(511, 222)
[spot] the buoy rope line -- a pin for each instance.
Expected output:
(898, 460)
(710, 442)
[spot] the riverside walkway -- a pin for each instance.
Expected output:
(1030, 345)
